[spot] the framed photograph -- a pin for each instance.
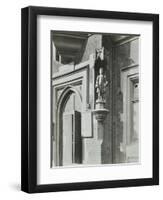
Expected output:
(90, 99)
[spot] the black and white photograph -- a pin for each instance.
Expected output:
(95, 99)
(90, 111)
(80, 100)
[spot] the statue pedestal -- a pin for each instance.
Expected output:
(100, 114)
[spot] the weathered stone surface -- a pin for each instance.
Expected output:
(102, 140)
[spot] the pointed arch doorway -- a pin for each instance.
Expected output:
(69, 142)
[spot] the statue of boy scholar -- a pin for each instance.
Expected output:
(101, 84)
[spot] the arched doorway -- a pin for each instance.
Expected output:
(69, 143)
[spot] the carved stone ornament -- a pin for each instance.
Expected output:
(100, 53)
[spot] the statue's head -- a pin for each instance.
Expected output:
(101, 70)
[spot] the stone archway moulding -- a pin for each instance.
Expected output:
(63, 85)
(60, 106)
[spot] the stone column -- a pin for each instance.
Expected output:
(100, 111)
(100, 114)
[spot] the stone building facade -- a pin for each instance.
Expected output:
(78, 135)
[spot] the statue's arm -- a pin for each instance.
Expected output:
(97, 82)
(106, 82)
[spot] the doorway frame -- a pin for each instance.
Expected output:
(66, 83)
(60, 107)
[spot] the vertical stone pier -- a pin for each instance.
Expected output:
(100, 111)
(100, 114)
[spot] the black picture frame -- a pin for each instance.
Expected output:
(29, 99)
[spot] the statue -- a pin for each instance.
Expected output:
(101, 84)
